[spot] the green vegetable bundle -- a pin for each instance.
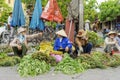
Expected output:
(69, 66)
(114, 61)
(5, 49)
(3, 55)
(32, 67)
(105, 60)
(44, 57)
(100, 42)
(98, 60)
(95, 39)
(8, 61)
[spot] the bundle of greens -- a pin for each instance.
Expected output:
(8, 61)
(95, 39)
(69, 66)
(5, 49)
(32, 67)
(98, 60)
(44, 57)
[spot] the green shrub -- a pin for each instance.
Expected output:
(5, 12)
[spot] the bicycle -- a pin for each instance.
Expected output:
(48, 33)
(36, 40)
(4, 34)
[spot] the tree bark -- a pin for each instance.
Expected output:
(81, 21)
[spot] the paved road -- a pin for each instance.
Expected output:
(10, 73)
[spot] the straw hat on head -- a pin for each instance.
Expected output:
(21, 30)
(62, 33)
(112, 32)
(81, 33)
(87, 21)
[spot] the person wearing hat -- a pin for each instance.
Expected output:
(82, 44)
(87, 25)
(111, 43)
(62, 43)
(19, 43)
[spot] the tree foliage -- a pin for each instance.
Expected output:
(90, 11)
(4, 11)
(109, 10)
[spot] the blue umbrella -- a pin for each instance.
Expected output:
(36, 22)
(18, 18)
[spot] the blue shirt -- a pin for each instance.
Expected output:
(62, 44)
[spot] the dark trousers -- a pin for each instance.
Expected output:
(86, 49)
(63, 50)
(21, 52)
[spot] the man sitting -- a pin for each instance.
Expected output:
(82, 44)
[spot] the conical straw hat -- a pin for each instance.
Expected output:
(112, 32)
(87, 21)
(62, 33)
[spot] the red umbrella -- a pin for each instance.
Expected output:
(52, 12)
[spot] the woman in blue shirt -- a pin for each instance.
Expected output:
(62, 43)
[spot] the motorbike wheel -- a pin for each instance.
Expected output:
(5, 38)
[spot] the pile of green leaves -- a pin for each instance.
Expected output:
(114, 61)
(87, 61)
(100, 42)
(44, 57)
(39, 63)
(32, 67)
(8, 61)
(5, 49)
(95, 39)
(69, 66)
(98, 60)
(37, 47)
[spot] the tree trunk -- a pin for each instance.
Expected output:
(81, 21)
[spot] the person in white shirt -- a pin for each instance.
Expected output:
(111, 43)
(9, 24)
(20, 42)
(87, 25)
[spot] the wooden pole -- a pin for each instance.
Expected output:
(81, 20)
